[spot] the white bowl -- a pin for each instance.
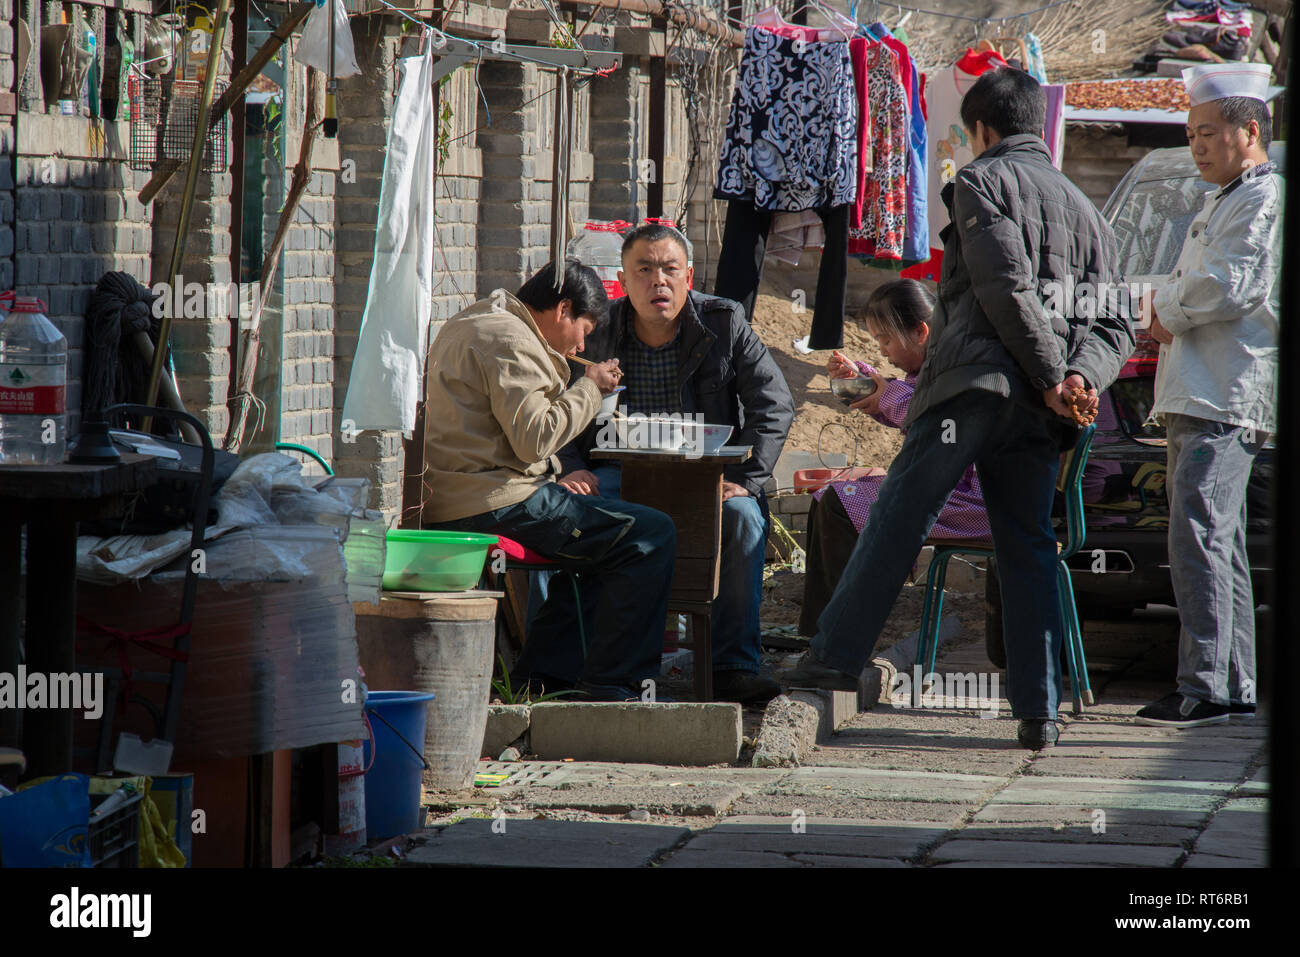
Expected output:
(609, 403)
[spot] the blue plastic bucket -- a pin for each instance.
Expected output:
(393, 784)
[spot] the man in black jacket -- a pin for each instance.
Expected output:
(1006, 350)
(688, 353)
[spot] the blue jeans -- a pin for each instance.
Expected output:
(1016, 453)
(623, 557)
(734, 625)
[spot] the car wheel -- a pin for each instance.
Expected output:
(993, 644)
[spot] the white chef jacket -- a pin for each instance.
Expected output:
(1222, 304)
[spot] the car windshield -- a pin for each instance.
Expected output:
(1153, 220)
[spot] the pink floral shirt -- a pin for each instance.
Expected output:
(963, 517)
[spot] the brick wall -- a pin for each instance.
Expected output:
(75, 216)
(365, 106)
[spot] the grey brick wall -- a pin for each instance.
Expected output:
(365, 106)
(70, 218)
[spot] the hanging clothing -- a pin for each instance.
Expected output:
(1035, 67)
(791, 139)
(1054, 127)
(792, 233)
(884, 213)
(388, 367)
(916, 243)
(740, 266)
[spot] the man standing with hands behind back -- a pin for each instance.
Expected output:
(1217, 321)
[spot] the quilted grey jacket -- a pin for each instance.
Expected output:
(1022, 236)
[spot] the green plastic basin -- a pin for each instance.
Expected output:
(434, 561)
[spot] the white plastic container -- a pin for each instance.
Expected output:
(33, 384)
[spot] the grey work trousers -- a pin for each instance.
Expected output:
(1208, 469)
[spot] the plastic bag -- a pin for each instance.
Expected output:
(314, 47)
(45, 825)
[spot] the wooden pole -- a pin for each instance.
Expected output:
(191, 185)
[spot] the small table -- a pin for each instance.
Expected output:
(50, 500)
(687, 488)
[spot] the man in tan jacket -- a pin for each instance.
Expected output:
(499, 408)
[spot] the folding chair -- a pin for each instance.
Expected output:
(1070, 484)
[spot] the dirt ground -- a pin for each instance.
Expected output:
(778, 325)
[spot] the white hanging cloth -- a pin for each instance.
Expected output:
(314, 47)
(387, 370)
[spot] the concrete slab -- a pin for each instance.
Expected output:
(872, 784)
(474, 843)
(505, 723)
(834, 708)
(1163, 795)
(1063, 852)
(577, 773)
(1056, 763)
(1238, 829)
(1081, 832)
(689, 858)
(1069, 815)
(799, 834)
(788, 733)
(828, 804)
(1202, 861)
(679, 733)
(703, 800)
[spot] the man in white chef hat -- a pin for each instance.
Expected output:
(1217, 322)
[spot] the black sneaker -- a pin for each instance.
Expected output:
(1177, 711)
(1038, 733)
(1241, 712)
(744, 687)
(812, 672)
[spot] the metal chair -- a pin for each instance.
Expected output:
(1070, 484)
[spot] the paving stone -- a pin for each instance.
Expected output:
(505, 723)
(828, 804)
(473, 843)
(846, 838)
(831, 860)
(789, 731)
(1028, 852)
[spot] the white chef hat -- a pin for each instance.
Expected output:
(1214, 81)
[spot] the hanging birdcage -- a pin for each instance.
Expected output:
(163, 116)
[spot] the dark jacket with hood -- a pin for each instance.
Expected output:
(1022, 243)
(724, 372)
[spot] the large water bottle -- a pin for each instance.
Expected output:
(33, 384)
(600, 246)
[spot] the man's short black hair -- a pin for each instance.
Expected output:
(1240, 110)
(653, 232)
(582, 287)
(1007, 101)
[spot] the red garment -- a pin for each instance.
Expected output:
(858, 56)
(884, 214)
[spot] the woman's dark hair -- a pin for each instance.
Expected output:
(582, 287)
(1007, 101)
(899, 307)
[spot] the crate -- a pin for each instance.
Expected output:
(164, 113)
(114, 839)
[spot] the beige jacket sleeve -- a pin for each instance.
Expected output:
(519, 378)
